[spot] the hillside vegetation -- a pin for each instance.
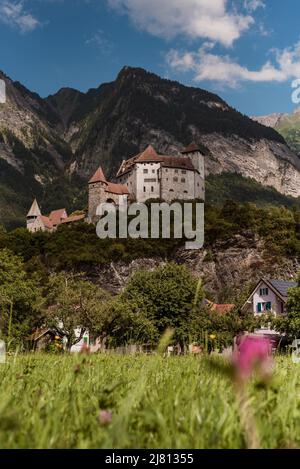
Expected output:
(71, 247)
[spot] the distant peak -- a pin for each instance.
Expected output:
(129, 71)
(65, 91)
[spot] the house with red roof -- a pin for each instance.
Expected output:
(38, 222)
(219, 308)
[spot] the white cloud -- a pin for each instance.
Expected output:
(13, 14)
(223, 69)
(100, 41)
(209, 19)
(253, 5)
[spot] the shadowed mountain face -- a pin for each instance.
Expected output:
(50, 147)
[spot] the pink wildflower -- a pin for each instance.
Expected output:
(253, 353)
(85, 349)
(105, 417)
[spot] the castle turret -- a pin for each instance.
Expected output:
(97, 187)
(33, 213)
(194, 153)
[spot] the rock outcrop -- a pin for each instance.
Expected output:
(227, 270)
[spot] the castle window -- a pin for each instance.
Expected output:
(176, 171)
(183, 172)
(185, 192)
(144, 189)
(182, 179)
(145, 171)
(198, 184)
(153, 170)
(150, 180)
(175, 179)
(171, 190)
(152, 189)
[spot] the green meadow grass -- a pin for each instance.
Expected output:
(53, 401)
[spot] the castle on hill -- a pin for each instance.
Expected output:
(147, 175)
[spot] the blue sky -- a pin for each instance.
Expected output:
(247, 51)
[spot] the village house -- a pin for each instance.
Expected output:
(219, 308)
(42, 339)
(269, 296)
(38, 222)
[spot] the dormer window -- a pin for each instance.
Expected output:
(264, 292)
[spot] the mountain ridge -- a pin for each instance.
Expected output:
(288, 125)
(55, 143)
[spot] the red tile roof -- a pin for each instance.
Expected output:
(177, 162)
(74, 218)
(111, 187)
(98, 176)
(226, 308)
(150, 155)
(191, 148)
(119, 189)
(56, 216)
(46, 221)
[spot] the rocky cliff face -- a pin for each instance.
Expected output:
(27, 123)
(288, 125)
(270, 120)
(227, 270)
(71, 133)
(270, 163)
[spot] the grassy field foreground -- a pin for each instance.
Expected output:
(51, 401)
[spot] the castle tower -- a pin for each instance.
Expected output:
(97, 187)
(33, 214)
(194, 153)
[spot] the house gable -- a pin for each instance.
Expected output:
(265, 297)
